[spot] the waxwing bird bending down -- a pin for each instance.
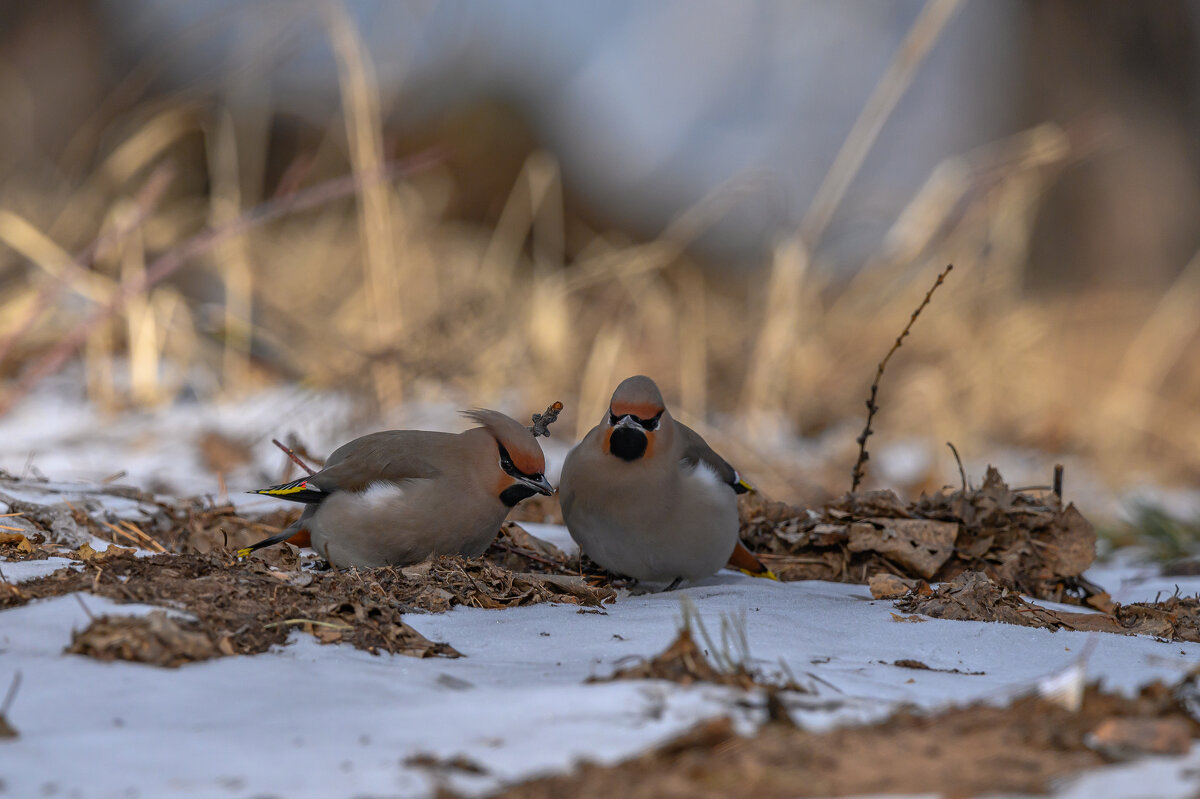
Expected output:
(643, 495)
(397, 497)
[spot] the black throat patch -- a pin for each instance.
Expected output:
(515, 493)
(627, 443)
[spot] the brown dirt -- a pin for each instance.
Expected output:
(244, 607)
(1023, 540)
(961, 752)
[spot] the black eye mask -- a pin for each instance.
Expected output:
(646, 424)
(511, 470)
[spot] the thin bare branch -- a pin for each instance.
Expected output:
(291, 453)
(856, 475)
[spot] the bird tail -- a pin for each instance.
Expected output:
(744, 561)
(302, 490)
(289, 532)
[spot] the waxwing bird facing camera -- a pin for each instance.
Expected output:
(644, 496)
(397, 497)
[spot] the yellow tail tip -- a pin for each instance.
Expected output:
(766, 574)
(283, 490)
(243, 552)
(749, 488)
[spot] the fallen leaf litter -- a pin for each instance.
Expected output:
(1023, 540)
(244, 607)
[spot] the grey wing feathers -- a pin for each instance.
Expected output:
(393, 455)
(697, 450)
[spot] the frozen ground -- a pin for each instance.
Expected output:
(330, 721)
(308, 720)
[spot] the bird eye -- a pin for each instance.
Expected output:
(505, 461)
(650, 424)
(613, 419)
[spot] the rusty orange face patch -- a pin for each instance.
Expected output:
(503, 482)
(528, 462)
(642, 410)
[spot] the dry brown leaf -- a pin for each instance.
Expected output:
(1024, 540)
(1072, 543)
(921, 545)
(886, 585)
(913, 618)
(86, 553)
(17, 541)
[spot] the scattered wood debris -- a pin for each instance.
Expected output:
(968, 751)
(1024, 540)
(973, 596)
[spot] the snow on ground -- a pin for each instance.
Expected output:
(58, 433)
(329, 721)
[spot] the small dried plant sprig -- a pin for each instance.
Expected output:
(859, 470)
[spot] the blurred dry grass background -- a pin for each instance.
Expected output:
(404, 292)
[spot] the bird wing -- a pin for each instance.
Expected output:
(391, 456)
(696, 450)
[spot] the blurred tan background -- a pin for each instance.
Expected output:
(745, 201)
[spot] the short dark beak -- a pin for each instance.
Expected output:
(540, 485)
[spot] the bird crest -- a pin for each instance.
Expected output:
(522, 447)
